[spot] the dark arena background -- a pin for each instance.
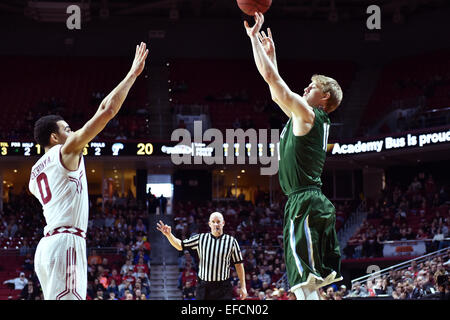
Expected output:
(387, 167)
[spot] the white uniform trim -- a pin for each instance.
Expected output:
(294, 252)
(309, 243)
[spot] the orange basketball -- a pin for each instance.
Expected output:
(249, 7)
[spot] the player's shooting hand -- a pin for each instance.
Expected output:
(164, 228)
(254, 31)
(139, 59)
(267, 43)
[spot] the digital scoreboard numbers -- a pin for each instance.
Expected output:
(19, 149)
(118, 149)
(92, 149)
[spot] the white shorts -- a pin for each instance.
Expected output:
(60, 263)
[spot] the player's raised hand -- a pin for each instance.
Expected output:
(164, 228)
(267, 42)
(254, 31)
(139, 59)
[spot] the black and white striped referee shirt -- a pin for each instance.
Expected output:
(215, 255)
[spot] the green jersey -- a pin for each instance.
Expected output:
(302, 157)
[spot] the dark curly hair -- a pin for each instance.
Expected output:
(44, 127)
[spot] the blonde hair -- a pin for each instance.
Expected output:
(327, 84)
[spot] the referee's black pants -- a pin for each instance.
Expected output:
(214, 290)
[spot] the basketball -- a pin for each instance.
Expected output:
(249, 7)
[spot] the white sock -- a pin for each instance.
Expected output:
(313, 296)
(310, 294)
(299, 294)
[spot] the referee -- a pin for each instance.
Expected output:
(216, 251)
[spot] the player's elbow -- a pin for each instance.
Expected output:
(275, 99)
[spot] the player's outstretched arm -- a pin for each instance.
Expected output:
(291, 103)
(269, 47)
(109, 107)
(167, 231)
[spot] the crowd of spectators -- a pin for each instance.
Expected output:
(116, 281)
(418, 210)
(424, 280)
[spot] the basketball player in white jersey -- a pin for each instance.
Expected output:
(58, 181)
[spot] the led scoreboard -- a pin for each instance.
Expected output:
(93, 149)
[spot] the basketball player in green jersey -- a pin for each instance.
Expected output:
(311, 247)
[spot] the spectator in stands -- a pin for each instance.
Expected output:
(386, 286)
(28, 263)
(291, 296)
(140, 227)
(151, 202)
(124, 287)
(112, 288)
(142, 254)
(18, 283)
(262, 295)
(189, 291)
(24, 248)
(394, 232)
(112, 296)
(188, 274)
(234, 278)
(438, 238)
(421, 235)
(109, 221)
(29, 292)
(343, 291)
(142, 290)
(185, 259)
(103, 279)
(137, 294)
(128, 295)
(255, 283)
(276, 275)
(329, 293)
(141, 267)
(100, 295)
(162, 203)
(94, 258)
(126, 267)
(263, 276)
(129, 277)
(97, 285)
(399, 292)
(141, 244)
(115, 276)
(358, 290)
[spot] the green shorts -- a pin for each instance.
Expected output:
(311, 247)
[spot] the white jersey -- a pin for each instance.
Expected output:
(63, 193)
